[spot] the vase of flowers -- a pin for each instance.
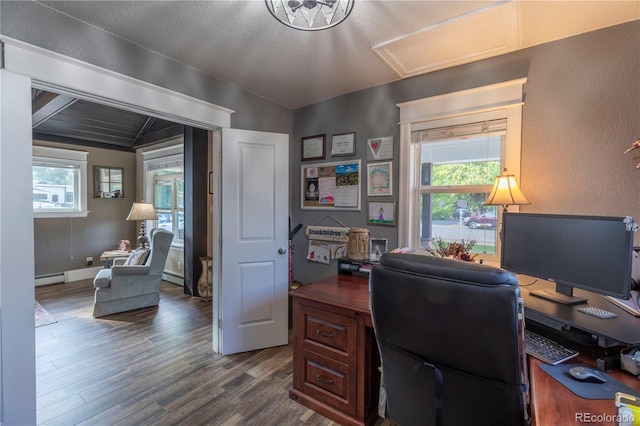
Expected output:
(455, 250)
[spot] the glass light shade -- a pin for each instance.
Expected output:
(505, 192)
(142, 211)
(310, 15)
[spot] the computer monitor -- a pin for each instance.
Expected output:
(593, 253)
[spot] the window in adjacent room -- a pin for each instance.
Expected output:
(164, 188)
(169, 201)
(452, 147)
(59, 182)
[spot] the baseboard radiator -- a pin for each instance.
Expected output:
(90, 273)
(173, 278)
(67, 276)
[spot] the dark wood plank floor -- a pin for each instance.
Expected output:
(154, 366)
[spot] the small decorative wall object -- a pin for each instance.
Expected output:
(331, 186)
(313, 148)
(382, 213)
(108, 182)
(319, 251)
(380, 179)
(327, 243)
(380, 148)
(343, 144)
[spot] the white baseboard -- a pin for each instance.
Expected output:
(68, 276)
(81, 274)
(90, 273)
(175, 279)
(50, 279)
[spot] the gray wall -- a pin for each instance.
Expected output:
(38, 25)
(582, 110)
(63, 244)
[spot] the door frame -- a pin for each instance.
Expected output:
(59, 73)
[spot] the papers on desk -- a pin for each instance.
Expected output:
(630, 305)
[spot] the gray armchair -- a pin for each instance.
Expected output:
(127, 287)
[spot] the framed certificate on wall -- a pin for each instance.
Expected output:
(313, 148)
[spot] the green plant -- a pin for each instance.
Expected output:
(455, 250)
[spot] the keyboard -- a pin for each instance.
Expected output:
(597, 312)
(547, 350)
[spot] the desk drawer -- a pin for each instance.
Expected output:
(329, 333)
(329, 381)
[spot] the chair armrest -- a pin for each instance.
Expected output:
(102, 278)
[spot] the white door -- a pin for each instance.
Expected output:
(254, 229)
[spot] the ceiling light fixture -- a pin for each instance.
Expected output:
(310, 15)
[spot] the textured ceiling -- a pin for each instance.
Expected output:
(241, 43)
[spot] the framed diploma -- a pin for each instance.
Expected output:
(343, 144)
(313, 148)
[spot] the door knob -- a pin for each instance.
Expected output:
(282, 250)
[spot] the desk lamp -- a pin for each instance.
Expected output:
(505, 192)
(142, 211)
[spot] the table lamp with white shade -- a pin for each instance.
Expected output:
(142, 211)
(505, 192)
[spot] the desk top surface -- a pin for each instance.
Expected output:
(342, 290)
(552, 403)
(624, 329)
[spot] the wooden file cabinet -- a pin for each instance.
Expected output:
(335, 357)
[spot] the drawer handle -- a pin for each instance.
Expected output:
(320, 333)
(323, 380)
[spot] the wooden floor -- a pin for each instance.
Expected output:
(153, 366)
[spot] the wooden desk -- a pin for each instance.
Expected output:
(335, 355)
(342, 298)
(554, 404)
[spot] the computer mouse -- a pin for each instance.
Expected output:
(586, 374)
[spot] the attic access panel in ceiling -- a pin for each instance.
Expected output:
(62, 118)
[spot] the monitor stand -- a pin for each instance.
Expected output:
(563, 295)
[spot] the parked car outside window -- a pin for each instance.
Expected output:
(485, 220)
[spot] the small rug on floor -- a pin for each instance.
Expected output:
(42, 316)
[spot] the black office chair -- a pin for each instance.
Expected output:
(450, 335)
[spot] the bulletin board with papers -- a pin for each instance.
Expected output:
(331, 186)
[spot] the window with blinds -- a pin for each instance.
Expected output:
(455, 169)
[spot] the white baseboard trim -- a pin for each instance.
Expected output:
(81, 274)
(50, 279)
(175, 279)
(68, 276)
(89, 273)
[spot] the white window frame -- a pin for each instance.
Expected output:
(68, 158)
(151, 159)
(173, 180)
(502, 100)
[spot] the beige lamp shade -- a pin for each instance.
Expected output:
(505, 192)
(142, 211)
